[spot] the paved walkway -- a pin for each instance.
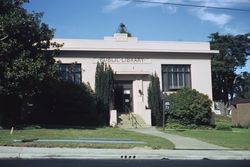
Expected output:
(180, 142)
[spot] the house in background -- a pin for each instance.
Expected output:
(178, 65)
(241, 113)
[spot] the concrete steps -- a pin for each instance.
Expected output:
(131, 120)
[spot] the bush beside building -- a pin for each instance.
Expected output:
(189, 107)
(104, 86)
(154, 100)
(58, 103)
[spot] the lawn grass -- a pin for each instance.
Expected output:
(236, 139)
(154, 142)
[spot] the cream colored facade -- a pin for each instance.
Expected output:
(134, 60)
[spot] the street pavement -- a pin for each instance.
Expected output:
(120, 163)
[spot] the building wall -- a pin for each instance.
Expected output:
(139, 64)
(137, 67)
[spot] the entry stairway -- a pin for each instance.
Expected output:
(131, 120)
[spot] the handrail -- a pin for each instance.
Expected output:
(134, 120)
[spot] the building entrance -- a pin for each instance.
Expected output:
(123, 96)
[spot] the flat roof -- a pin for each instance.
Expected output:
(121, 42)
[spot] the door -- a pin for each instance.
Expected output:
(123, 96)
(127, 100)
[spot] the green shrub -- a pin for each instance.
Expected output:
(223, 126)
(222, 119)
(189, 107)
(64, 103)
(154, 100)
(104, 85)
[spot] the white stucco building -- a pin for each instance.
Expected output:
(178, 65)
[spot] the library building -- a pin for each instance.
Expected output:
(177, 64)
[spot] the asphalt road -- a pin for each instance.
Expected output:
(121, 163)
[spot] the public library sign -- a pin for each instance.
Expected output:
(123, 60)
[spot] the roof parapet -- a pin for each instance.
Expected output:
(121, 37)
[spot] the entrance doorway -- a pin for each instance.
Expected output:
(123, 96)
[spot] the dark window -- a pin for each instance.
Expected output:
(176, 77)
(71, 72)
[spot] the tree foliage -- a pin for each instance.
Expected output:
(104, 82)
(154, 100)
(31, 90)
(25, 61)
(24, 39)
(242, 88)
(188, 106)
(234, 51)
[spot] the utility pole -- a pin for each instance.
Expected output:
(163, 112)
(165, 108)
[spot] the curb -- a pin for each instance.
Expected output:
(128, 154)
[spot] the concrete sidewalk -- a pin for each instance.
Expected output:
(136, 153)
(180, 142)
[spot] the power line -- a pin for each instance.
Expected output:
(219, 2)
(189, 5)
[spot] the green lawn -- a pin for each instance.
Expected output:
(154, 142)
(236, 139)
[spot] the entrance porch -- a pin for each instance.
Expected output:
(130, 98)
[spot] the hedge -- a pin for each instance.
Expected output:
(188, 107)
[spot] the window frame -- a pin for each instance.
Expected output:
(70, 75)
(176, 70)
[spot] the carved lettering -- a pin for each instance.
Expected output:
(123, 60)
